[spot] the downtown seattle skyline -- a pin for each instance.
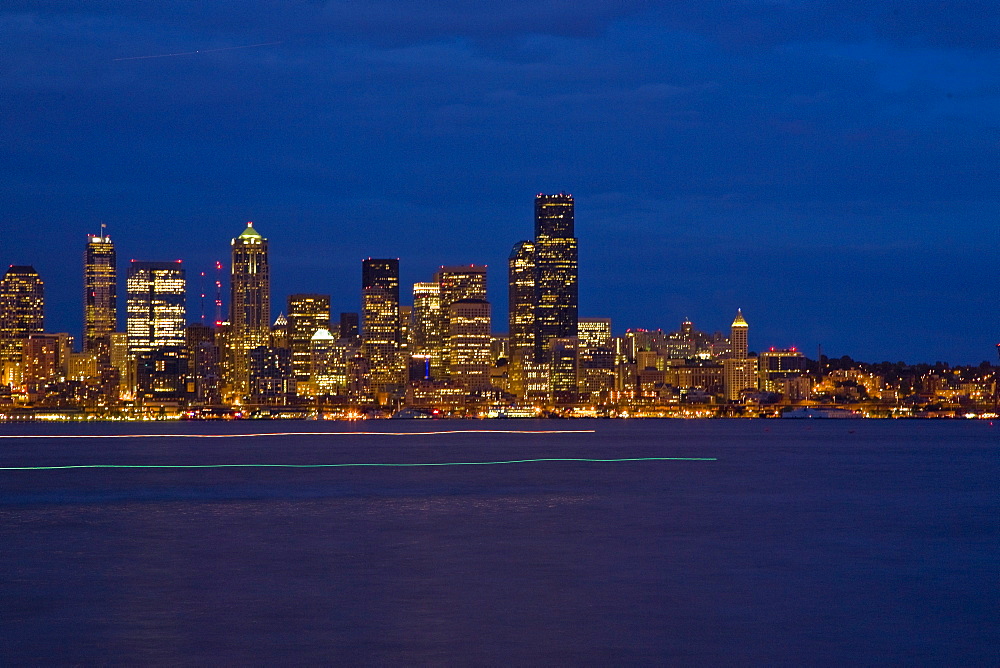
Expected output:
(830, 168)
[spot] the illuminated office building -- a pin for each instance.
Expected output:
(250, 305)
(469, 343)
(563, 359)
(380, 331)
(457, 283)
(521, 311)
(22, 313)
(307, 314)
(330, 363)
(428, 332)
(100, 299)
(556, 271)
(44, 358)
(155, 306)
(740, 370)
(777, 364)
(594, 333)
(156, 328)
(595, 359)
(405, 325)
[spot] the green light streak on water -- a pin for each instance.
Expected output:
(321, 466)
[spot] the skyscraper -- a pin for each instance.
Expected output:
(100, 298)
(348, 326)
(22, 311)
(556, 270)
(594, 333)
(380, 334)
(156, 306)
(521, 311)
(157, 334)
(307, 314)
(250, 306)
(739, 336)
(469, 343)
(426, 334)
(740, 370)
(456, 283)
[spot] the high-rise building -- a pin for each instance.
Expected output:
(100, 298)
(778, 364)
(349, 326)
(428, 333)
(469, 343)
(204, 362)
(22, 313)
(327, 369)
(563, 361)
(380, 333)
(43, 359)
(594, 333)
(155, 306)
(740, 370)
(307, 314)
(521, 311)
(461, 282)
(456, 283)
(739, 336)
(250, 306)
(556, 271)
(405, 325)
(271, 380)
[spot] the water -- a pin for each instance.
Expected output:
(806, 542)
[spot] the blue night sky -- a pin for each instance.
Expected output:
(830, 167)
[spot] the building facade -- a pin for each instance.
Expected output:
(521, 312)
(469, 343)
(740, 369)
(380, 330)
(556, 271)
(156, 306)
(250, 303)
(100, 298)
(307, 314)
(22, 313)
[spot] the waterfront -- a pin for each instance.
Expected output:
(804, 542)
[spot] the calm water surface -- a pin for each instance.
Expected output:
(807, 542)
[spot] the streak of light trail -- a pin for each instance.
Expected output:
(313, 433)
(383, 465)
(191, 53)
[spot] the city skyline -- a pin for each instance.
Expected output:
(830, 167)
(201, 287)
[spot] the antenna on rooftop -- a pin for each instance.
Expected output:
(218, 292)
(203, 298)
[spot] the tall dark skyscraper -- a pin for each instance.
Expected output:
(100, 298)
(556, 270)
(22, 311)
(349, 325)
(250, 314)
(380, 330)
